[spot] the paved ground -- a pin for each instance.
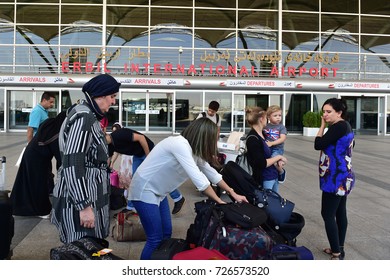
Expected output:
(368, 236)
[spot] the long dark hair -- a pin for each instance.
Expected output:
(202, 134)
(339, 105)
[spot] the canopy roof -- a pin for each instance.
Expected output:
(125, 16)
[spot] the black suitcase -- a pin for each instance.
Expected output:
(6, 219)
(168, 248)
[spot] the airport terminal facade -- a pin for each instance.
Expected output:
(174, 57)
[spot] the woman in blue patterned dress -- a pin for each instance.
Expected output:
(336, 175)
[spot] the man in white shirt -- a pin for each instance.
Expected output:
(211, 114)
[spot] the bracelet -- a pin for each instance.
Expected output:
(230, 191)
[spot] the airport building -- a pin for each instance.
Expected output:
(174, 57)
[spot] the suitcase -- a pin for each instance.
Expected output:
(200, 253)
(87, 248)
(285, 252)
(168, 248)
(7, 222)
(238, 243)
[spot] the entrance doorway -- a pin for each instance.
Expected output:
(147, 111)
(363, 114)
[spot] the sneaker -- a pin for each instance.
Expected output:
(178, 205)
(282, 177)
(46, 217)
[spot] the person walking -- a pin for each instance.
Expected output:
(39, 114)
(336, 175)
(171, 162)
(81, 193)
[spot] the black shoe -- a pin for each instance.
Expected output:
(178, 205)
(282, 177)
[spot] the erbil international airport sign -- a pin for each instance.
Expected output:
(211, 64)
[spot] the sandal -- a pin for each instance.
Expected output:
(329, 252)
(336, 257)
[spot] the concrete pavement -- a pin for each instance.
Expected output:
(368, 236)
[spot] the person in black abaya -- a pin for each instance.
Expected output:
(35, 180)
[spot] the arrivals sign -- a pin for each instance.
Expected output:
(32, 79)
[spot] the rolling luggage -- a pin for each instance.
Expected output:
(200, 253)
(7, 221)
(168, 248)
(87, 248)
(238, 243)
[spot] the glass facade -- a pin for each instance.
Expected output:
(261, 39)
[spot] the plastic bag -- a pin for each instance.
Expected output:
(125, 172)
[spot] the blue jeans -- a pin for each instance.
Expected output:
(137, 160)
(157, 223)
(276, 151)
(271, 185)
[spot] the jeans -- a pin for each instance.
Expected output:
(157, 223)
(334, 213)
(271, 185)
(276, 151)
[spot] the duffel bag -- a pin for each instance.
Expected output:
(244, 214)
(86, 248)
(285, 252)
(128, 227)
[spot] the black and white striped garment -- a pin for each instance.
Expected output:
(83, 179)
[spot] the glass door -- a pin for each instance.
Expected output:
(134, 110)
(160, 111)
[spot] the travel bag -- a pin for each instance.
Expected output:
(86, 248)
(200, 253)
(240, 181)
(238, 243)
(128, 227)
(244, 214)
(7, 222)
(168, 248)
(285, 252)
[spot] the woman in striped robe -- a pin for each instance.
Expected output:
(81, 193)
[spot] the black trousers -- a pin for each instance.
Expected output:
(334, 213)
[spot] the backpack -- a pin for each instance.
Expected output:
(242, 159)
(204, 116)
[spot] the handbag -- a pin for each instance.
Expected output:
(242, 159)
(114, 178)
(128, 227)
(278, 208)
